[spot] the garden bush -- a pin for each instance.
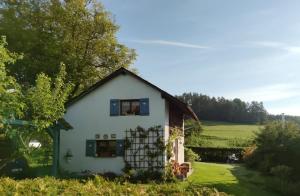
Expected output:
(277, 153)
(190, 155)
(283, 186)
(97, 186)
(276, 145)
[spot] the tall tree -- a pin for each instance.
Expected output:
(41, 105)
(79, 33)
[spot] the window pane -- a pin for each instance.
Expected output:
(125, 107)
(135, 107)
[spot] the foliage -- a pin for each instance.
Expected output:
(11, 104)
(190, 155)
(96, 186)
(144, 145)
(80, 33)
(277, 153)
(281, 171)
(284, 187)
(46, 94)
(151, 144)
(221, 109)
(277, 144)
(175, 133)
(192, 127)
(41, 105)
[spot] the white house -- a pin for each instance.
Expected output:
(105, 117)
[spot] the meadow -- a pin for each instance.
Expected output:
(225, 135)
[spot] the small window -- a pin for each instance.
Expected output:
(106, 148)
(130, 107)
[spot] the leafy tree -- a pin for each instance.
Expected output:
(11, 104)
(42, 104)
(79, 33)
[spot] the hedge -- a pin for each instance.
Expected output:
(210, 154)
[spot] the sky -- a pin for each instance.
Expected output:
(233, 48)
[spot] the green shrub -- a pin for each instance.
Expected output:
(277, 145)
(192, 127)
(283, 186)
(281, 171)
(277, 153)
(190, 155)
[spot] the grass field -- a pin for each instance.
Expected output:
(231, 179)
(224, 134)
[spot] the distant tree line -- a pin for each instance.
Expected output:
(221, 109)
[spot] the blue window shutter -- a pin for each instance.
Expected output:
(114, 107)
(90, 149)
(144, 106)
(120, 147)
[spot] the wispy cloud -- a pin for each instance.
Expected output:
(268, 93)
(277, 45)
(171, 43)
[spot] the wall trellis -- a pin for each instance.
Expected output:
(145, 149)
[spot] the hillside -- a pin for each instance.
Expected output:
(224, 134)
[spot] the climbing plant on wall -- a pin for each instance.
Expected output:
(144, 148)
(147, 150)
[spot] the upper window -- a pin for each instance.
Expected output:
(130, 107)
(127, 107)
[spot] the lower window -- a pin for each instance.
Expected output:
(106, 148)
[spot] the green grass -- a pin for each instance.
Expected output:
(224, 134)
(231, 179)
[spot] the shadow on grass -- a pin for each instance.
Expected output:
(249, 183)
(232, 179)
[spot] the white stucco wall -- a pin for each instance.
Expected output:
(91, 115)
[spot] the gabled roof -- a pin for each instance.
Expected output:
(173, 100)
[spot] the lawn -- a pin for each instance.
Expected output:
(231, 179)
(224, 134)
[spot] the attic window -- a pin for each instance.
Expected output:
(130, 107)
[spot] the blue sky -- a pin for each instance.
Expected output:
(232, 48)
